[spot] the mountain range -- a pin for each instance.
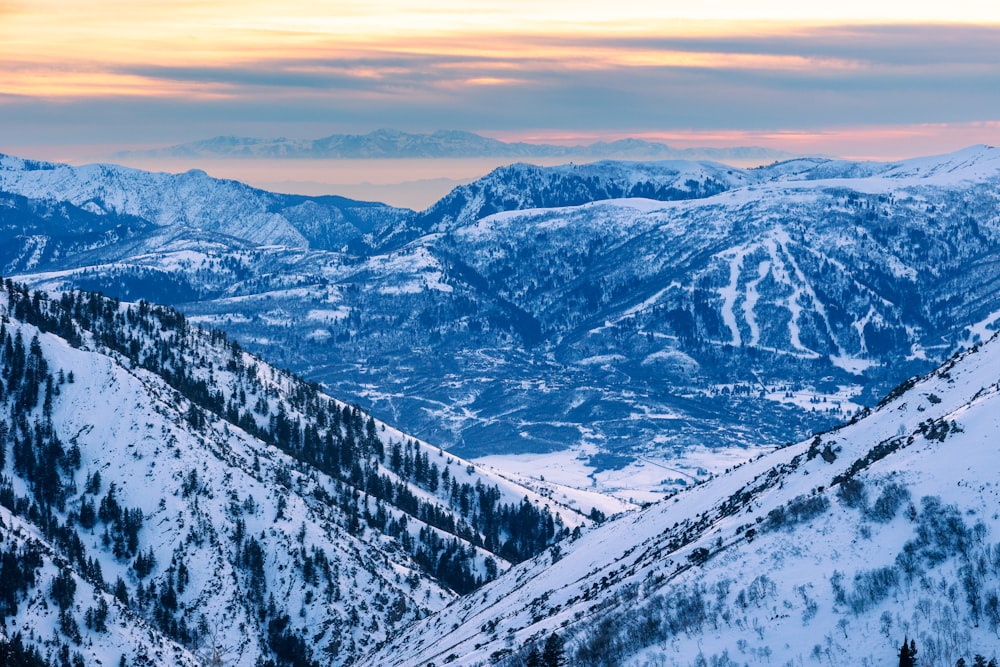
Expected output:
(654, 319)
(167, 497)
(387, 143)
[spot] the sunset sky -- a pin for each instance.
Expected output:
(867, 78)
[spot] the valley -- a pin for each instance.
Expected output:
(831, 550)
(665, 413)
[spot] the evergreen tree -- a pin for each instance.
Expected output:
(908, 654)
(14, 652)
(554, 653)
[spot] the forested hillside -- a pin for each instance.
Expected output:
(165, 494)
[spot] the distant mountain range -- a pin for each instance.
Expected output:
(625, 311)
(387, 143)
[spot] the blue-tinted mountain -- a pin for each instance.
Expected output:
(174, 207)
(538, 310)
(440, 144)
(524, 186)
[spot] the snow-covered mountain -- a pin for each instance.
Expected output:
(545, 309)
(831, 550)
(524, 186)
(165, 496)
(387, 143)
(159, 486)
(177, 208)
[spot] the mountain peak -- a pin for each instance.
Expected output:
(971, 163)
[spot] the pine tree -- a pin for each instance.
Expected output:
(554, 652)
(908, 654)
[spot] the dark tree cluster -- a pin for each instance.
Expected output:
(908, 654)
(552, 653)
(978, 660)
(14, 652)
(18, 575)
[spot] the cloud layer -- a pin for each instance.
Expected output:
(168, 72)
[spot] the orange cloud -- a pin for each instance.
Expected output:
(65, 83)
(217, 32)
(357, 64)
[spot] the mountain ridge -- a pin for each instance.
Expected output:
(386, 144)
(203, 204)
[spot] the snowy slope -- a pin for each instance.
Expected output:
(831, 550)
(192, 488)
(126, 634)
(195, 201)
(241, 546)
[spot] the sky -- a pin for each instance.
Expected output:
(874, 79)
